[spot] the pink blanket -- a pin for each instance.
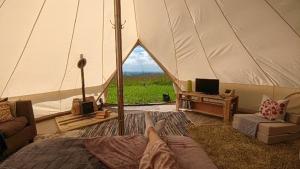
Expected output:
(125, 152)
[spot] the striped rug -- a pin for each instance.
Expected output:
(176, 124)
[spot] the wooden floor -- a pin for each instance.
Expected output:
(72, 122)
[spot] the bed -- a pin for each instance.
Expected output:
(59, 153)
(73, 153)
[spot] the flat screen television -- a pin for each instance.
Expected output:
(207, 86)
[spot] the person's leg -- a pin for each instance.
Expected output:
(157, 154)
(158, 126)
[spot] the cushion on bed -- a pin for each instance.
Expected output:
(5, 112)
(118, 152)
(10, 128)
(271, 129)
(189, 154)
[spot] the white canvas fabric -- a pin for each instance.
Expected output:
(253, 42)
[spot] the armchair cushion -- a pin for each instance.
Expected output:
(24, 108)
(3, 99)
(5, 112)
(10, 128)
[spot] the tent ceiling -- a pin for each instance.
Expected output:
(237, 41)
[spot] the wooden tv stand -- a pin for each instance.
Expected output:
(214, 105)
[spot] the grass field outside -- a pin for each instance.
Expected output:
(143, 89)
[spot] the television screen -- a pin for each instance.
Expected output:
(207, 86)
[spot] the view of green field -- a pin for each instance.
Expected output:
(143, 89)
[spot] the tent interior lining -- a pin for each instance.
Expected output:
(282, 17)
(2, 3)
(251, 47)
(27, 41)
(188, 39)
(246, 49)
(173, 39)
(70, 47)
(63, 94)
(250, 97)
(250, 94)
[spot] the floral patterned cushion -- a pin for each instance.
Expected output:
(5, 112)
(273, 110)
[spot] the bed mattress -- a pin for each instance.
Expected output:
(72, 153)
(60, 153)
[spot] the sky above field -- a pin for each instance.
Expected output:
(140, 61)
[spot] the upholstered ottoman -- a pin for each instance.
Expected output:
(273, 132)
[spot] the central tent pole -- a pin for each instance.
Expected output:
(118, 39)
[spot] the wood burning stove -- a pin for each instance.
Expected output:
(86, 107)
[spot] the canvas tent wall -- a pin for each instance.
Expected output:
(248, 44)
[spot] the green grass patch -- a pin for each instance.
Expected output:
(143, 89)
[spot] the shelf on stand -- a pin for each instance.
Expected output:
(214, 105)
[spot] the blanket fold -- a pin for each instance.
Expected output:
(248, 123)
(118, 152)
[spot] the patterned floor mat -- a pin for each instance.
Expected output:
(176, 124)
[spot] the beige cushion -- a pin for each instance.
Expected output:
(293, 118)
(5, 112)
(10, 128)
(272, 129)
(189, 154)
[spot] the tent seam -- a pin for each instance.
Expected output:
(172, 33)
(24, 48)
(102, 45)
(71, 44)
(2, 4)
(136, 27)
(201, 43)
(69, 51)
(277, 12)
(250, 55)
